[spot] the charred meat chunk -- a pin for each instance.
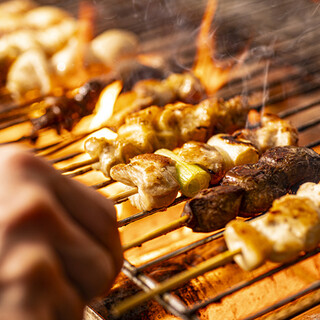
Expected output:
(64, 113)
(278, 171)
(213, 208)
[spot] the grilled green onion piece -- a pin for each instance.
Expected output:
(191, 177)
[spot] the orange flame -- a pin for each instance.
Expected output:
(86, 27)
(205, 67)
(105, 104)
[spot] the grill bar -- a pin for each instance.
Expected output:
(238, 287)
(68, 157)
(143, 214)
(293, 310)
(170, 302)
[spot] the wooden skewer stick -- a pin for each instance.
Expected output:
(158, 232)
(174, 282)
(79, 165)
(123, 195)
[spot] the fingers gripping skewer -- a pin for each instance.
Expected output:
(172, 283)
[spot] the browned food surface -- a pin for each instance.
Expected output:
(273, 131)
(204, 155)
(213, 208)
(64, 113)
(254, 187)
(226, 151)
(278, 170)
(292, 225)
(184, 87)
(169, 127)
(155, 177)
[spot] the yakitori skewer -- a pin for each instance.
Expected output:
(247, 193)
(183, 87)
(167, 127)
(291, 226)
(63, 113)
(198, 164)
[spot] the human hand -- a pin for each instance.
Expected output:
(59, 242)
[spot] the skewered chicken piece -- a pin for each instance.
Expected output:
(224, 153)
(184, 87)
(256, 186)
(169, 127)
(291, 225)
(157, 179)
(273, 131)
(41, 32)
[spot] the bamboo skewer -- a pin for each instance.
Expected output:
(174, 282)
(123, 195)
(79, 165)
(13, 123)
(154, 234)
(15, 107)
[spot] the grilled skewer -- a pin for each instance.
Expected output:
(213, 208)
(183, 87)
(278, 171)
(153, 128)
(291, 226)
(62, 113)
(220, 154)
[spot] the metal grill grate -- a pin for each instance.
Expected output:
(280, 74)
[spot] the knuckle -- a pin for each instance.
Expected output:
(33, 210)
(14, 157)
(29, 263)
(43, 271)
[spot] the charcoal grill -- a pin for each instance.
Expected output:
(278, 71)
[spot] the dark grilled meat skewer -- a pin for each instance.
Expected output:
(64, 113)
(252, 188)
(213, 208)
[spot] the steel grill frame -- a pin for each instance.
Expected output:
(279, 56)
